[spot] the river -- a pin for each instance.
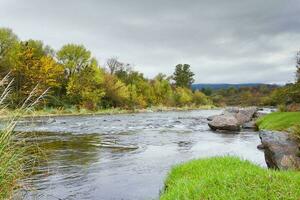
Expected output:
(125, 156)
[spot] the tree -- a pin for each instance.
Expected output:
(183, 96)
(200, 98)
(183, 76)
(74, 58)
(35, 67)
(162, 90)
(85, 87)
(114, 65)
(298, 67)
(116, 92)
(9, 49)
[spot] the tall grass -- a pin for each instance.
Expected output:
(13, 160)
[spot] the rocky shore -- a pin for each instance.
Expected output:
(281, 150)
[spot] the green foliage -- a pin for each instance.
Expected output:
(74, 78)
(286, 95)
(200, 98)
(183, 76)
(280, 121)
(35, 66)
(116, 92)
(207, 91)
(183, 96)
(229, 178)
(9, 47)
(85, 88)
(162, 90)
(74, 58)
(245, 96)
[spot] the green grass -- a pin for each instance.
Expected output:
(279, 121)
(229, 178)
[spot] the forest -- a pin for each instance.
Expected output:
(71, 77)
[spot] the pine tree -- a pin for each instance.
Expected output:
(183, 76)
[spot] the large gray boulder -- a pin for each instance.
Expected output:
(232, 118)
(281, 150)
(224, 122)
(245, 114)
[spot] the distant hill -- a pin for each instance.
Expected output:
(226, 86)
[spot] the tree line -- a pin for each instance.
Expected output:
(286, 97)
(73, 77)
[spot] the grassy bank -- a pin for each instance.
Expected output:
(281, 121)
(229, 178)
(74, 112)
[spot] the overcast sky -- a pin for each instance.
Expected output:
(224, 41)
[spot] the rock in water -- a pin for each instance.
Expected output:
(210, 118)
(232, 118)
(224, 122)
(281, 151)
(245, 114)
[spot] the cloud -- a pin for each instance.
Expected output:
(224, 41)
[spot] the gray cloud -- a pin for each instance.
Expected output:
(224, 41)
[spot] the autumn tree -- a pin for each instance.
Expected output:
(183, 76)
(85, 87)
(116, 92)
(34, 68)
(183, 96)
(162, 90)
(200, 98)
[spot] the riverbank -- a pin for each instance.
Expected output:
(229, 178)
(280, 139)
(53, 112)
(281, 121)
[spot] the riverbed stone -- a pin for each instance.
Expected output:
(210, 118)
(224, 122)
(281, 150)
(232, 118)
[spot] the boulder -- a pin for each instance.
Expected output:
(232, 118)
(246, 114)
(210, 118)
(224, 122)
(281, 150)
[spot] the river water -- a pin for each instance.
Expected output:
(125, 156)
